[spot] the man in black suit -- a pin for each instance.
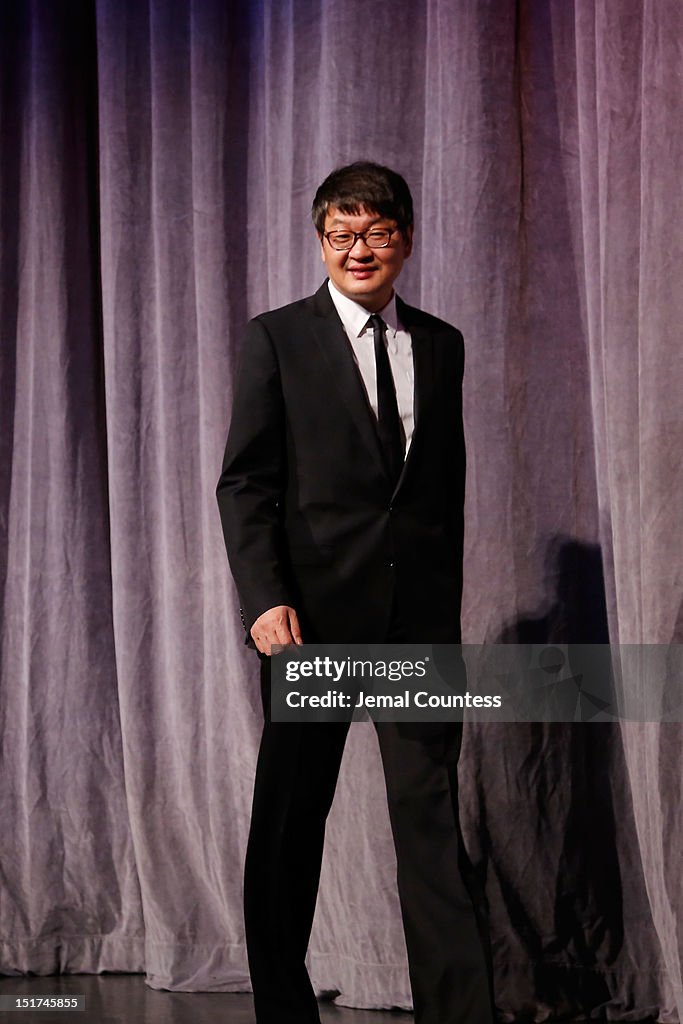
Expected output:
(341, 500)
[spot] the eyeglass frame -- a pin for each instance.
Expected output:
(357, 235)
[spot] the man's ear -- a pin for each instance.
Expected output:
(408, 238)
(322, 247)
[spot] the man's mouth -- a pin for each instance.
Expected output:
(361, 272)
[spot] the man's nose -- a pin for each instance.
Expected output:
(360, 249)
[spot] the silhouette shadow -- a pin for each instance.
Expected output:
(587, 921)
(577, 610)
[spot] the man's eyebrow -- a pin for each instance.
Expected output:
(341, 220)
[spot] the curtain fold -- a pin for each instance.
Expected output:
(70, 893)
(630, 156)
(158, 164)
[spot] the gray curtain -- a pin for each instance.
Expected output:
(157, 167)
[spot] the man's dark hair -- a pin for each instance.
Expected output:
(368, 186)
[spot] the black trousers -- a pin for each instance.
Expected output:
(443, 911)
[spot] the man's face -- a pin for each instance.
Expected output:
(361, 273)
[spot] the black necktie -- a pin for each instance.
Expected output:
(389, 424)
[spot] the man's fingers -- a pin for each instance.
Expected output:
(276, 626)
(282, 634)
(260, 643)
(294, 627)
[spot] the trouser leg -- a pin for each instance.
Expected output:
(448, 952)
(296, 775)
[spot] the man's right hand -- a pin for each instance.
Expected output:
(278, 625)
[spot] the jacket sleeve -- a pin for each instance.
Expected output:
(251, 486)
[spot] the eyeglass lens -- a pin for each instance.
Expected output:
(378, 238)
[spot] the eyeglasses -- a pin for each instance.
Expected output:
(375, 238)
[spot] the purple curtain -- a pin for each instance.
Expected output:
(157, 167)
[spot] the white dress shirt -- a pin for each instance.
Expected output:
(354, 319)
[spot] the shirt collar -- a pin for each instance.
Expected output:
(355, 317)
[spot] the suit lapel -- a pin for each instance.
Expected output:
(423, 368)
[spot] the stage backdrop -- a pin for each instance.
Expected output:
(158, 162)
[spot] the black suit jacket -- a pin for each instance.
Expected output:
(309, 514)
